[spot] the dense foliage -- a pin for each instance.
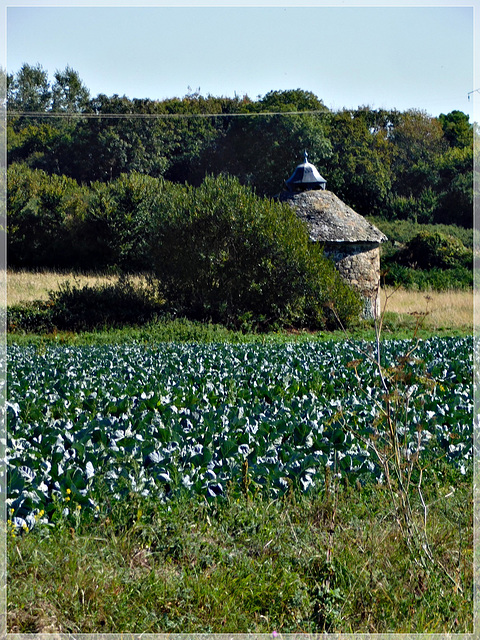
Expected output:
(430, 259)
(93, 424)
(435, 250)
(54, 222)
(217, 252)
(398, 165)
(398, 275)
(222, 254)
(400, 232)
(94, 182)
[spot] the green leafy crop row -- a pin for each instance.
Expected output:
(93, 424)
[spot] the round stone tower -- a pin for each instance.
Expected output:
(347, 237)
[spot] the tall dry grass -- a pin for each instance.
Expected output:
(26, 286)
(445, 309)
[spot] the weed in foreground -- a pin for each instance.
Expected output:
(400, 453)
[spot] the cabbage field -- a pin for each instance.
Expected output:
(92, 424)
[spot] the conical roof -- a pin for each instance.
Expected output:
(331, 220)
(305, 176)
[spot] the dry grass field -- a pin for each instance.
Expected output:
(449, 309)
(25, 286)
(445, 309)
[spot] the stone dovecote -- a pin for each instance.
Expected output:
(348, 238)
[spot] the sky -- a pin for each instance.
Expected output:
(410, 55)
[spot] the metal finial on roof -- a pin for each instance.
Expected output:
(305, 177)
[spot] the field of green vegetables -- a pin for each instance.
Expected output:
(88, 425)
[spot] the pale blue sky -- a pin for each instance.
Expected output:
(384, 56)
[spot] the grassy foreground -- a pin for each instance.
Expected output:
(335, 562)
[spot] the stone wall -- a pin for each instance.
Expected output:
(359, 265)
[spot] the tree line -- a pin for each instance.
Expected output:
(385, 163)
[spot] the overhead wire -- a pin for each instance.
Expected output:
(65, 114)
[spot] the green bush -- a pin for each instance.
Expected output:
(42, 214)
(420, 208)
(447, 247)
(86, 308)
(397, 275)
(402, 231)
(31, 317)
(435, 250)
(109, 305)
(225, 255)
(114, 233)
(54, 222)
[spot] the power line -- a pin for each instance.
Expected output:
(117, 116)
